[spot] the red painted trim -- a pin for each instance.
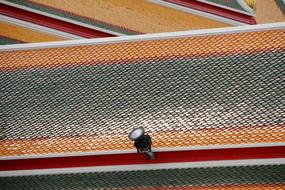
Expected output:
(51, 22)
(127, 159)
(215, 10)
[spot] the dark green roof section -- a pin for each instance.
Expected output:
(74, 17)
(262, 174)
(281, 4)
(114, 97)
(231, 4)
(7, 41)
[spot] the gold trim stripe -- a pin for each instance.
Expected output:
(219, 187)
(195, 137)
(242, 43)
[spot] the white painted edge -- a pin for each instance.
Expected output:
(243, 4)
(146, 37)
(168, 149)
(250, 13)
(283, 1)
(61, 18)
(140, 167)
(38, 28)
(197, 12)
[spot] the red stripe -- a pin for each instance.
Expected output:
(215, 10)
(51, 22)
(162, 157)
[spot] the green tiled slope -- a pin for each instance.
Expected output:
(7, 41)
(231, 4)
(269, 174)
(281, 5)
(238, 90)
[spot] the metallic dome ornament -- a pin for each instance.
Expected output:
(136, 133)
(142, 142)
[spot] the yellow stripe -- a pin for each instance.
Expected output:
(157, 49)
(25, 34)
(195, 137)
(141, 16)
(220, 187)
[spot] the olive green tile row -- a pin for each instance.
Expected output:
(7, 41)
(263, 174)
(85, 20)
(281, 5)
(232, 4)
(216, 92)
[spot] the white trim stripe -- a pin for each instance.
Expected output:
(61, 18)
(198, 13)
(139, 167)
(256, 145)
(145, 37)
(38, 28)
